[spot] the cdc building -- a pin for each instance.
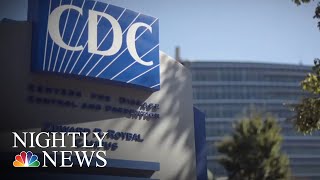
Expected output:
(225, 91)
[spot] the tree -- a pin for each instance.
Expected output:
(316, 12)
(307, 118)
(253, 151)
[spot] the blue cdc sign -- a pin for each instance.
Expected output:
(94, 39)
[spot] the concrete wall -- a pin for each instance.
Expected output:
(168, 140)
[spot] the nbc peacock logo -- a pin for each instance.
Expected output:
(26, 160)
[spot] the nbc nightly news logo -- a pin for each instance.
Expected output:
(45, 140)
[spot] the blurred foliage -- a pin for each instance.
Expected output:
(253, 150)
(316, 12)
(312, 81)
(299, 2)
(307, 118)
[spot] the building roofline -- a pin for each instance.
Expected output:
(246, 62)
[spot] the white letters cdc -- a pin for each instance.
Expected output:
(93, 46)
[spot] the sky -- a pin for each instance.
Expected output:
(223, 30)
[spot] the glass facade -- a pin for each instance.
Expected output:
(225, 90)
